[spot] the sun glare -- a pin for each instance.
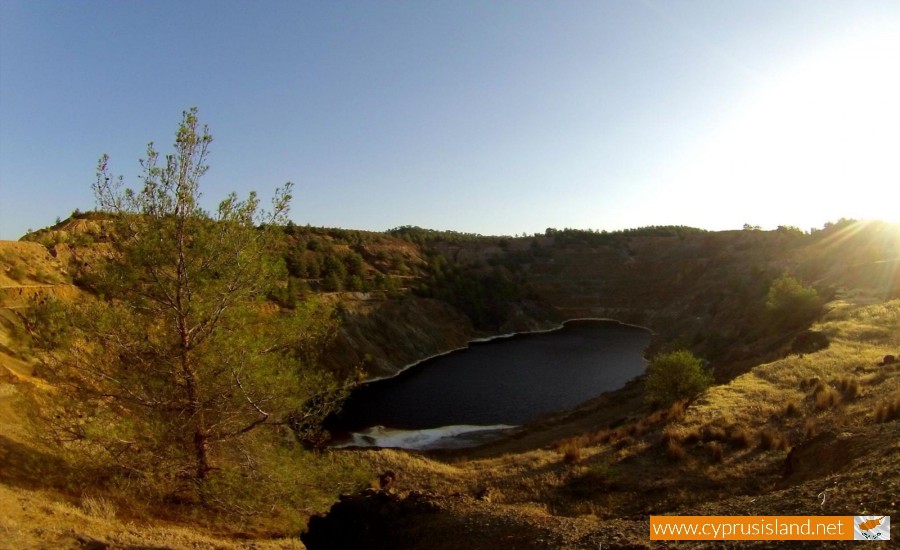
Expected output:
(819, 140)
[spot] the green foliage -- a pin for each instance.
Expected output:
(589, 237)
(421, 236)
(485, 296)
(181, 361)
(48, 324)
(674, 376)
(789, 303)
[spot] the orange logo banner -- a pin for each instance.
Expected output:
(752, 527)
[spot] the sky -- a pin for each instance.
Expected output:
(490, 117)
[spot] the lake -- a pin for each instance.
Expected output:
(459, 398)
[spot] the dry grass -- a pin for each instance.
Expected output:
(889, 409)
(571, 451)
(43, 519)
(606, 473)
(826, 397)
(849, 387)
(740, 437)
(792, 409)
(772, 440)
(98, 507)
(675, 451)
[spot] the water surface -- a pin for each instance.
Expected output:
(498, 383)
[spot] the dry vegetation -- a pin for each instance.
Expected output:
(772, 440)
(726, 449)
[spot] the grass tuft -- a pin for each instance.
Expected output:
(849, 387)
(98, 507)
(675, 451)
(571, 450)
(792, 409)
(772, 440)
(888, 410)
(826, 397)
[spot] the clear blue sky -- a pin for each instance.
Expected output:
(489, 117)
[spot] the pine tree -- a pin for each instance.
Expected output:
(182, 357)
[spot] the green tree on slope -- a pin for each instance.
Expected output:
(789, 303)
(674, 376)
(182, 358)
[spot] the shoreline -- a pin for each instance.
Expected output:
(505, 336)
(363, 439)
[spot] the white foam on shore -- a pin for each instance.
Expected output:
(445, 437)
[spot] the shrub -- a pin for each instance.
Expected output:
(571, 452)
(849, 387)
(98, 507)
(827, 398)
(792, 409)
(740, 437)
(889, 409)
(790, 303)
(772, 440)
(674, 376)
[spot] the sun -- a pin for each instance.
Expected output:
(816, 140)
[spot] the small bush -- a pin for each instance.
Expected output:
(571, 448)
(674, 376)
(790, 303)
(849, 387)
(888, 410)
(571, 453)
(602, 437)
(98, 507)
(669, 435)
(740, 437)
(827, 398)
(772, 440)
(677, 410)
(792, 409)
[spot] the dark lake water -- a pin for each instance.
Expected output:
(502, 382)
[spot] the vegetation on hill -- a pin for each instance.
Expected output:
(179, 380)
(675, 376)
(184, 375)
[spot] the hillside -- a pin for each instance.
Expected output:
(576, 479)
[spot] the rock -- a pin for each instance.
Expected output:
(889, 360)
(486, 494)
(820, 456)
(371, 519)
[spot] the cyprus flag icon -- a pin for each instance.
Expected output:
(872, 528)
